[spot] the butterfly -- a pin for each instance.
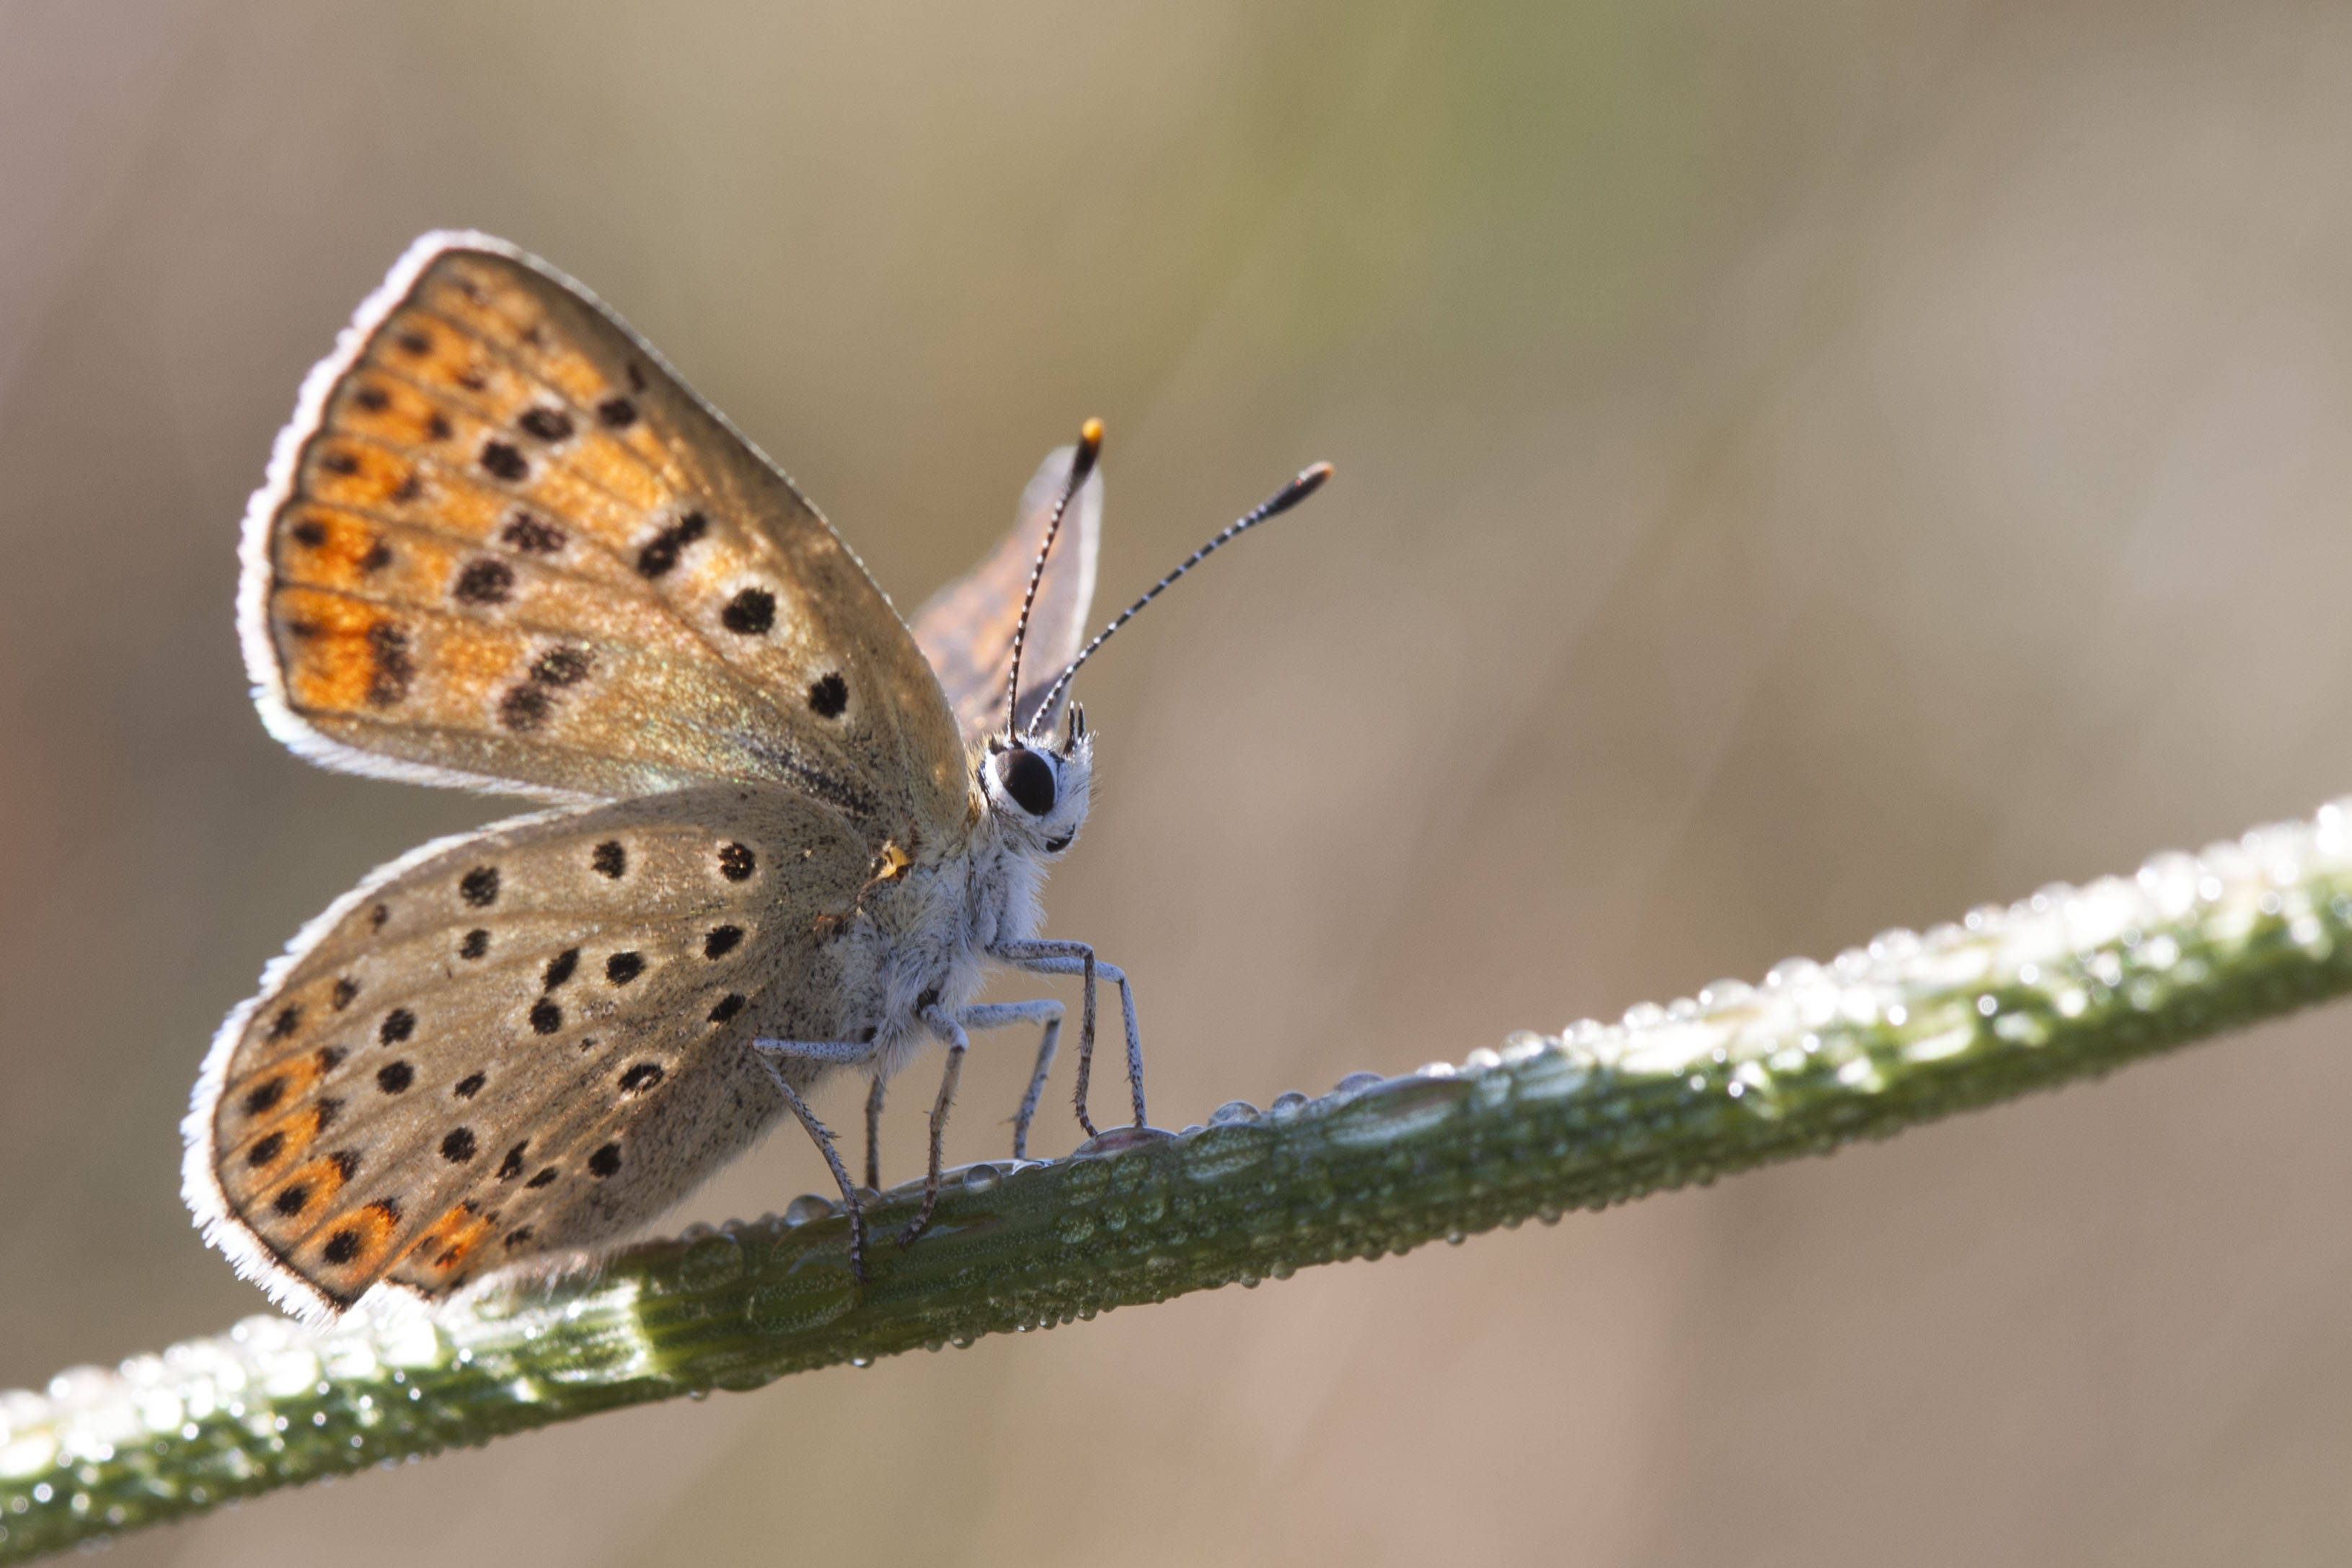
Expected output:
(503, 546)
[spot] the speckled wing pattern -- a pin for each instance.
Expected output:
(965, 629)
(520, 1040)
(503, 546)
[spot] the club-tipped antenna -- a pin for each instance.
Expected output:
(1082, 464)
(1308, 481)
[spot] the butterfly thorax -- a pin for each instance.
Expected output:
(923, 936)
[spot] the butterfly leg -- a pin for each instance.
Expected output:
(834, 1052)
(947, 1029)
(1078, 959)
(874, 1136)
(996, 1015)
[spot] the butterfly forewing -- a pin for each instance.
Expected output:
(592, 976)
(966, 628)
(502, 545)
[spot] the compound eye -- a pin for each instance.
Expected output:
(1028, 779)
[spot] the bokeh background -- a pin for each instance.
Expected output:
(1804, 469)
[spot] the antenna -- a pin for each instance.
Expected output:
(1082, 463)
(1309, 480)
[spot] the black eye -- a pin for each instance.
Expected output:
(1028, 779)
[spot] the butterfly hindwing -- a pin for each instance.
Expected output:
(966, 628)
(593, 976)
(502, 545)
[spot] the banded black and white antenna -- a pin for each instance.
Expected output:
(1082, 464)
(1308, 481)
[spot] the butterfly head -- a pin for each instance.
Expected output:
(1038, 789)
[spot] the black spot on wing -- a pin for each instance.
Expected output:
(828, 697)
(501, 458)
(562, 666)
(609, 859)
(392, 667)
(749, 613)
(480, 886)
(547, 424)
(486, 580)
(530, 535)
(660, 553)
(525, 708)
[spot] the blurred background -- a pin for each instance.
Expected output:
(1804, 469)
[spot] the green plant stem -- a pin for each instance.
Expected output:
(2065, 985)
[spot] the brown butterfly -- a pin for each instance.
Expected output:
(503, 546)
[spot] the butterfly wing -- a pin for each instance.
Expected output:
(966, 628)
(503, 546)
(593, 975)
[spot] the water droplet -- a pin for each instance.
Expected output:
(1233, 1111)
(807, 1206)
(1356, 1083)
(981, 1177)
(1456, 1237)
(861, 1361)
(1287, 1103)
(1119, 1140)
